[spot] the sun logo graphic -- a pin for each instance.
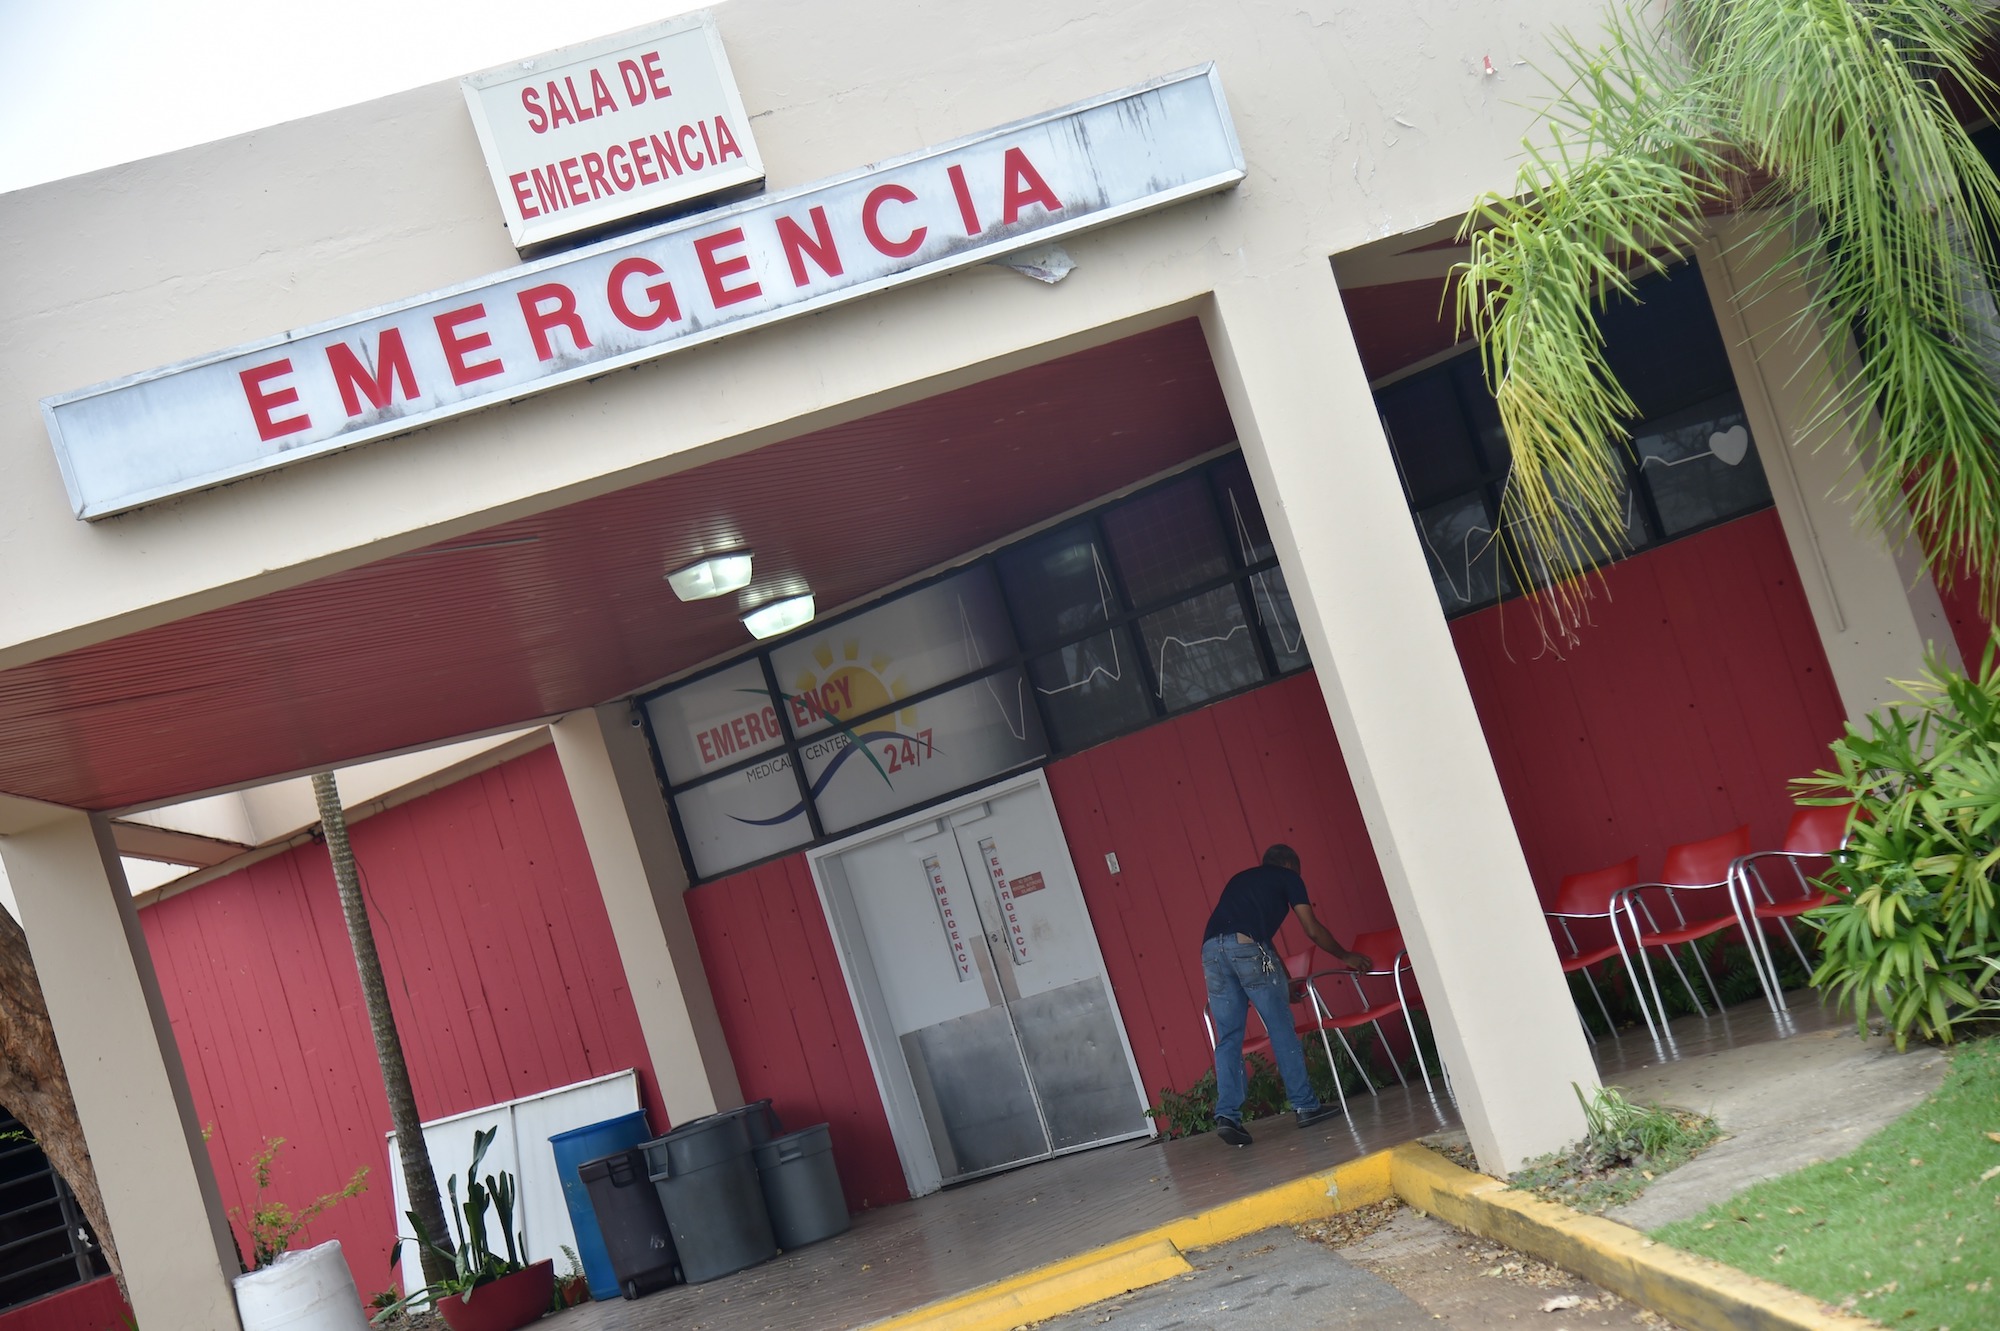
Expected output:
(841, 687)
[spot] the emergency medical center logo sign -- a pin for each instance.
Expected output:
(541, 325)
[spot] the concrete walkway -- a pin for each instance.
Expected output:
(1786, 1091)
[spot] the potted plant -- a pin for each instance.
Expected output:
(485, 1291)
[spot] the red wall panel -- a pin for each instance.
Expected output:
(1695, 693)
(92, 1307)
(791, 1029)
(501, 968)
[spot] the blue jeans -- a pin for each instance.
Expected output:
(1239, 975)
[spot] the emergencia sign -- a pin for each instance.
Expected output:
(630, 124)
(320, 389)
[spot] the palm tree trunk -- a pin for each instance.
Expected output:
(35, 1086)
(418, 1178)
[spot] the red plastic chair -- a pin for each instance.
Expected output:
(1815, 833)
(1698, 884)
(1597, 896)
(1378, 946)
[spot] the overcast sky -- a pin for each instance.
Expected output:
(86, 84)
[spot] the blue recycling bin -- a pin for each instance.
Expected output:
(573, 1149)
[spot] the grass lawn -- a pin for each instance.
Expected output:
(1905, 1230)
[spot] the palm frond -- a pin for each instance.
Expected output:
(1836, 107)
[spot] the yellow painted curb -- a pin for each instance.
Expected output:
(1697, 1293)
(1150, 1257)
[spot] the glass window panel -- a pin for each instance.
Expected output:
(743, 816)
(1433, 447)
(1201, 648)
(1091, 690)
(1243, 519)
(1281, 622)
(1465, 561)
(1701, 465)
(917, 753)
(1167, 540)
(713, 722)
(1664, 346)
(956, 626)
(1058, 585)
(1469, 376)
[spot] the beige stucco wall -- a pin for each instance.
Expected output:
(1358, 121)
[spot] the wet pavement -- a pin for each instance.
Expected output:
(1804, 1083)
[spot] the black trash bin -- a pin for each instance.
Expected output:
(713, 1202)
(627, 1207)
(801, 1187)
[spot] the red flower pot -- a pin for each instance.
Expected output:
(509, 1302)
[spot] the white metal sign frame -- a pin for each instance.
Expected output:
(318, 390)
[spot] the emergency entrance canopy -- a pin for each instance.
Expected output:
(384, 372)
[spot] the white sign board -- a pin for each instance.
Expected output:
(384, 372)
(612, 128)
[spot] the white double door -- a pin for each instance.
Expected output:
(974, 968)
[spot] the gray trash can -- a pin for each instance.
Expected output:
(713, 1202)
(801, 1187)
(626, 1207)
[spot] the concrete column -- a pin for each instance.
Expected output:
(1413, 744)
(640, 873)
(124, 1069)
(1875, 607)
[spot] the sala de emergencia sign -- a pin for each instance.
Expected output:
(317, 390)
(612, 128)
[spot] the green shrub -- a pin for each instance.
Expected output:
(1912, 925)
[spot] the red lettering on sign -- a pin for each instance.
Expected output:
(655, 76)
(663, 148)
(871, 225)
(635, 82)
(572, 179)
(392, 361)
(1025, 186)
(561, 314)
(963, 193)
(458, 345)
(725, 142)
(620, 163)
(538, 119)
(739, 730)
(799, 246)
(518, 182)
(755, 725)
(716, 270)
(665, 307)
(644, 159)
(706, 745)
(695, 161)
(263, 402)
(708, 144)
(593, 171)
(559, 110)
(601, 99)
(548, 188)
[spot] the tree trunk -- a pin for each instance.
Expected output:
(34, 1086)
(418, 1177)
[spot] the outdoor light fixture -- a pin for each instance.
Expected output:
(768, 621)
(712, 576)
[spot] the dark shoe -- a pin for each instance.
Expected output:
(1308, 1117)
(1232, 1131)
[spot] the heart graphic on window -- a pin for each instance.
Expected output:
(1730, 445)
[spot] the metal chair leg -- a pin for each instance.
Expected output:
(1410, 1024)
(1745, 905)
(1367, 1077)
(1610, 1026)
(1786, 925)
(1702, 966)
(1394, 1066)
(1685, 983)
(1333, 1067)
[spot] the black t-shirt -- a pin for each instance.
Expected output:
(1255, 902)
